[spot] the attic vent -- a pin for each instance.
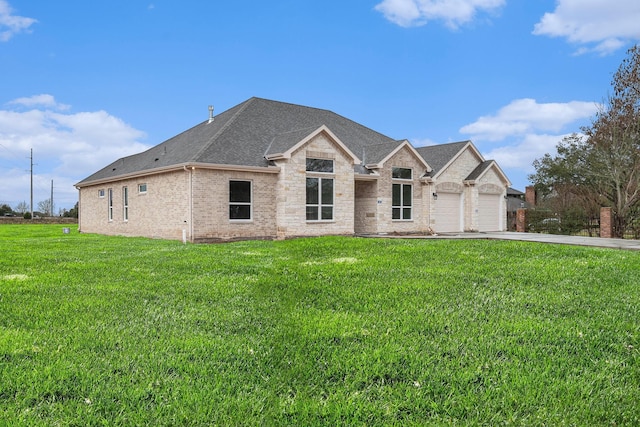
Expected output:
(210, 113)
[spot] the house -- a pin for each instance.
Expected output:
(515, 201)
(268, 169)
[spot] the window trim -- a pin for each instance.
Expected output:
(140, 190)
(110, 204)
(394, 169)
(402, 207)
(250, 203)
(101, 193)
(320, 204)
(333, 166)
(125, 203)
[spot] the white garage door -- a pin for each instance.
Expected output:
(489, 217)
(448, 213)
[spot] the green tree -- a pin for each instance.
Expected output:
(5, 209)
(602, 168)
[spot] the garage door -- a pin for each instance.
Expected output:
(489, 217)
(448, 213)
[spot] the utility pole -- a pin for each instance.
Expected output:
(51, 208)
(32, 184)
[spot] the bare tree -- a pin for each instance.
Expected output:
(45, 207)
(22, 207)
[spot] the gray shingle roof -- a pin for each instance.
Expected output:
(439, 155)
(479, 170)
(244, 134)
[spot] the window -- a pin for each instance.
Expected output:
(401, 201)
(319, 190)
(125, 203)
(101, 193)
(142, 188)
(319, 199)
(240, 200)
(401, 173)
(110, 203)
(402, 194)
(319, 165)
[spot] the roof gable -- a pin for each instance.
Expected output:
(292, 141)
(483, 168)
(440, 157)
(385, 151)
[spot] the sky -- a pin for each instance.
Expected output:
(85, 83)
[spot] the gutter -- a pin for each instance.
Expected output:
(173, 168)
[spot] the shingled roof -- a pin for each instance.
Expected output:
(244, 135)
(440, 155)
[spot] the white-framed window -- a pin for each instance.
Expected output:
(402, 173)
(402, 194)
(110, 204)
(142, 188)
(240, 197)
(125, 203)
(319, 199)
(320, 165)
(101, 193)
(320, 190)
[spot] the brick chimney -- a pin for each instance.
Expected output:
(530, 195)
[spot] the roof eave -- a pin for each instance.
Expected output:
(177, 167)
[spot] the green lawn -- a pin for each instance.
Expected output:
(98, 330)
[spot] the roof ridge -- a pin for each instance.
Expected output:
(241, 107)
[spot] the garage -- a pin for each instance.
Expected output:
(448, 213)
(489, 212)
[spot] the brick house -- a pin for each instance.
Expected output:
(268, 169)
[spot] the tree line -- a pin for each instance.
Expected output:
(44, 209)
(601, 165)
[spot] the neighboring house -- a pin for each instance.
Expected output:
(267, 169)
(515, 201)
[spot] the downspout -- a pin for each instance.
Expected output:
(78, 212)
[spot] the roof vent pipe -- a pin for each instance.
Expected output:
(210, 113)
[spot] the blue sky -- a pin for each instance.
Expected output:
(84, 83)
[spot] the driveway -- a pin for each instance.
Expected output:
(547, 238)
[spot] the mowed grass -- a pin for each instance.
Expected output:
(98, 330)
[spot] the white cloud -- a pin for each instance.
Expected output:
(602, 25)
(525, 116)
(43, 100)
(522, 154)
(454, 13)
(12, 24)
(67, 147)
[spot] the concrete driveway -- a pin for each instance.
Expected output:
(547, 238)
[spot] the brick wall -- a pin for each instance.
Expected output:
(291, 191)
(385, 223)
(606, 223)
(211, 205)
(161, 212)
(366, 194)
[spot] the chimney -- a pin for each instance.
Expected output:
(210, 113)
(530, 195)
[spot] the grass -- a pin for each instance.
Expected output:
(98, 330)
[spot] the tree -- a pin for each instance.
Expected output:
(22, 207)
(5, 209)
(45, 207)
(603, 167)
